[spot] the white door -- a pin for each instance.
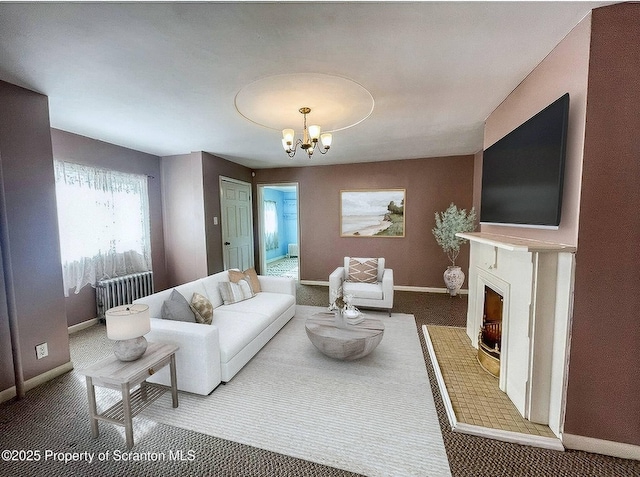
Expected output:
(237, 224)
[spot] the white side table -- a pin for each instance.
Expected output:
(115, 374)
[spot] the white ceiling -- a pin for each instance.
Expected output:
(162, 78)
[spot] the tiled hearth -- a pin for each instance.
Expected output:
(480, 407)
(473, 392)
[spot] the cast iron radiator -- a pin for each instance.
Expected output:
(122, 290)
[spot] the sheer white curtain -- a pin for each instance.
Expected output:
(270, 225)
(103, 217)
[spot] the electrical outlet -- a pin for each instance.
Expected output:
(42, 351)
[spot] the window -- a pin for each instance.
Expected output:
(270, 225)
(103, 217)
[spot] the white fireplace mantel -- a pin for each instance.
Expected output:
(516, 244)
(536, 281)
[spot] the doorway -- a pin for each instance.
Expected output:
(237, 224)
(279, 230)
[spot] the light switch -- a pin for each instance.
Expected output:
(215, 221)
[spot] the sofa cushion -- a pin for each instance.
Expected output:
(363, 270)
(202, 308)
(272, 304)
(210, 284)
(235, 292)
(177, 308)
(236, 330)
(372, 291)
(188, 289)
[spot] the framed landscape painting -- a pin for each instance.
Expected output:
(372, 213)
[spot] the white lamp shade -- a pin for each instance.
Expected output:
(127, 321)
(326, 139)
(288, 135)
(314, 132)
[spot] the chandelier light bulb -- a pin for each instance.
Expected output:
(326, 139)
(288, 135)
(314, 132)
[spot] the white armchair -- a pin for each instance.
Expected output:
(369, 290)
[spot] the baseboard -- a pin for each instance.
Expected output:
(497, 434)
(7, 394)
(37, 380)
(48, 376)
(81, 326)
(275, 259)
(396, 287)
(314, 282)
(600, 446)
(427, 289)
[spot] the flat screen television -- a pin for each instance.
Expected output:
(522, 173)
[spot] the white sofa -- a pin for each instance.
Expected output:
(211, 354)
(365, 295)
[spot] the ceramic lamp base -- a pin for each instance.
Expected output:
(130, 350)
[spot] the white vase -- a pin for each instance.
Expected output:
(453, 279)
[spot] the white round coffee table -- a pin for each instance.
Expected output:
(344, 341)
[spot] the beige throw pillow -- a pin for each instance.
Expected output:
(363, 271)
(202, 308)
(235, 276)
(249, 274)
(252, 276)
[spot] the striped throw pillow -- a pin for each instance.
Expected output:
(235, 292)
(363, 271)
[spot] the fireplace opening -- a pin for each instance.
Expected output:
(490, 336)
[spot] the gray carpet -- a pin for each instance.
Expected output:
(53, 416)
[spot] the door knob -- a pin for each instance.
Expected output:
(227, 243)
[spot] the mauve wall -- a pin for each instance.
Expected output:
(32, 227)
(563, 70)
(603, 397)
(183, 212)
(7, 377)
(417, 260)
(83, 150)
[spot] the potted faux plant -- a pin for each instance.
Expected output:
(448, 224)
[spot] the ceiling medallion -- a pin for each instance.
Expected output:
(275, 102)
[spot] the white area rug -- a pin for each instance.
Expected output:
(374, 416)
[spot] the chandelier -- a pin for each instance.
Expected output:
(309, 139)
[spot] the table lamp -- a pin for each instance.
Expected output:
(126, 325)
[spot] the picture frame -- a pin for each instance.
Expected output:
(372, 213)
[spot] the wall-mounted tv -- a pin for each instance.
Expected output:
(522, 173)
